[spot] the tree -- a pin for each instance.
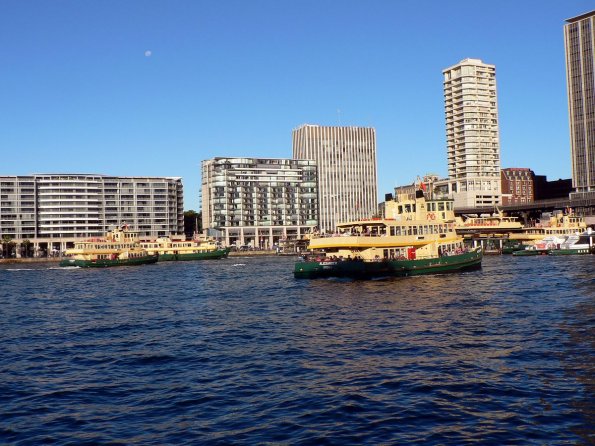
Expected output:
(26, 248)
(192, 222)
(7, 245)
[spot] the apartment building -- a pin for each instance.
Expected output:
(258, 202)
(472, 133)
(579, 40)
(347, 178)
(54, 210)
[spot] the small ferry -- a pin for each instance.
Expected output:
(541, 247)
(576, 244)
(557, 225)
(510, 246)
(119, 247)
(414, 237)
(178, 248)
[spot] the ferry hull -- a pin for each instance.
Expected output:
(394, 268)
(210, 255)
(530, 252)
(106, 263)
(568, 252)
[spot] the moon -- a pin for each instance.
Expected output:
(148, 53)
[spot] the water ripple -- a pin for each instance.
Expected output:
(237, 351)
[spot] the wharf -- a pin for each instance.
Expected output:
(57, 259)
(30, 260)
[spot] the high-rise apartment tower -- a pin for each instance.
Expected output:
(579, 38)
(472, 135)
(346, 160)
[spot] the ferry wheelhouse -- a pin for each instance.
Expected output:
(119, 247)
(416, 236)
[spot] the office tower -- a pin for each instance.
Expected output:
(346, 160)
(472, 138)
(579, 39)
(54, 210)
(258, 202)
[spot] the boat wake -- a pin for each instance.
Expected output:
(239, 264)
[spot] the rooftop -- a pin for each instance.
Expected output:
(580, 17)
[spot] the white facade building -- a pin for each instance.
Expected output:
(258, 202)
(54, 210)
(472, 134)
(347, 179)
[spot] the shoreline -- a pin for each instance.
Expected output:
(57, 259)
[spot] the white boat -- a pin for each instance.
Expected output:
(576, 244)
(542, 247)
(556, 225)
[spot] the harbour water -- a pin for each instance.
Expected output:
(238, 351)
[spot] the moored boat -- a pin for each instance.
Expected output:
(541, 247)
(177, 248)
(497, 223)
(576, 244)
(510, 246)
(120, 247)
(415, 237)
(559, 225)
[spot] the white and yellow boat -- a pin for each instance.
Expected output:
(178, 248)
(120, 247)
(497, 223)
(558, 225)
(415, 237)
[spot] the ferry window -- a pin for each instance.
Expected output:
(441, 228)
(415, 230)
(449, 206)
(441, 206)
(413, 208)
(392, 230)
(432, 207)
(398, 230)
(400, 209)
(409, 231)
(407, 208)
(426, 230)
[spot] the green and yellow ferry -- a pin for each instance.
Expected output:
(415, 237)
(120, 247)
(178, 248)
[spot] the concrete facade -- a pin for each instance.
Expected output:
(52, 211)
(347, 178)
(579, 40)
(472, 133)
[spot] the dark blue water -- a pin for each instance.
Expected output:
(237, 351)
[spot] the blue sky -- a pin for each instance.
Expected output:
(123, 87)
